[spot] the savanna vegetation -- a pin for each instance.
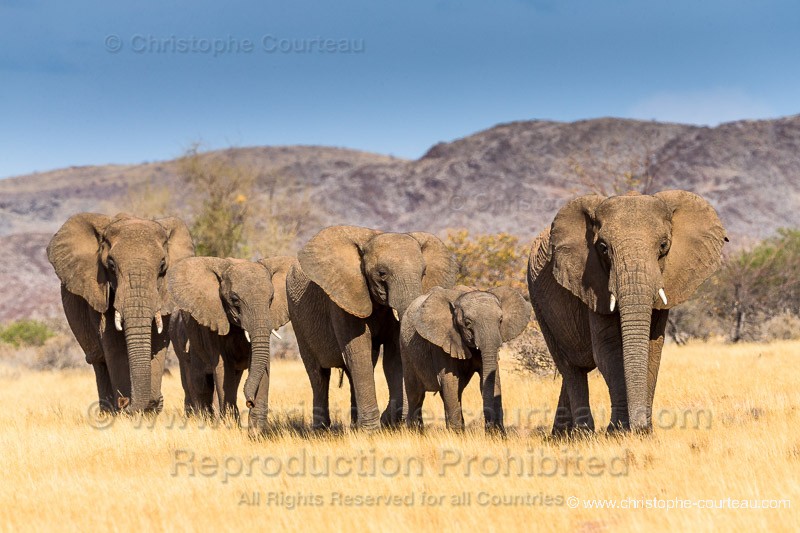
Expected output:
(726, 432)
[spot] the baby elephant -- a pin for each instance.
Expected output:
(446, 336)
(229, 308)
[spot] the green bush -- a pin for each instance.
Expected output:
(26, 333)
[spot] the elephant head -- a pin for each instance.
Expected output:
(120, 263)
(462, 321)
(233, 293)
(636, 253)
(359, 268)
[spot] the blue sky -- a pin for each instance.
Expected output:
(95, 82)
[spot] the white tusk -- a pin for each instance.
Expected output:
(663, 295)
(613, 302)
(159, 323)
(396, 316)
(118, 320)
(275, 332)
(247, 335)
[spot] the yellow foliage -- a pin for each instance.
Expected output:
(489, 260)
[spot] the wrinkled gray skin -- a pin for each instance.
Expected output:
(625, 250)
(343, 298)
(116, 302)
(229, 308)
(448, 335)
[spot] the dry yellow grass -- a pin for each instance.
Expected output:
(60, 473)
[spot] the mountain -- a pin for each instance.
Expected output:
(512, 177)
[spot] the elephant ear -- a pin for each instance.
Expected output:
(278, 268)
(194, 287)
(695, 252)
(436, 323)
(75, 253)
(576, 263)
(179, 246)
(332, 260)
(516, 312)
(440, 263)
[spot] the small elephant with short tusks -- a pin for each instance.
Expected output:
(229, 309)
(446, 336)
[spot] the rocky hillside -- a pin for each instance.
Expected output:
(512, 177)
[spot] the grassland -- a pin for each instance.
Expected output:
(728, 426)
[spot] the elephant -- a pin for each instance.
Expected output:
(229, 310)
(115, 298)
(346, 297)
(602, 280)
(446, 336)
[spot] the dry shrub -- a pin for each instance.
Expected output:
(531, 353)
(58, 353)
(785, 326)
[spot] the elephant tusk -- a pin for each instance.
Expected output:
(159, 323)
(663, 295)
(396, 315)
(613, 302)
(118, 320)
(275, 332)
(247, 335)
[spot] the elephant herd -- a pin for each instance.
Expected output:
(601, 281)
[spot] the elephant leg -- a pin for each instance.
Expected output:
(202, 389)
(607, 348)
(451, 396)
(392, 416)
(219, 380)
(230, 385)
(355, 338)
(577, 383)
(353, 403)
(563, 423)
(105, 391)
(183, 366)
(320, 379)
(415, 394)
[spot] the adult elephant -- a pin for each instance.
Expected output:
(449, 335)
(602, 281)
(116, 300)
(230, 307)
(346, 298)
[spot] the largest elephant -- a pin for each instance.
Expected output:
(602, 280)
(116, 300)
(346, 298)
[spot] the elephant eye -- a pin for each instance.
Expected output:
(112, 266)
(382, 274)
(664, 246)
(467, 323)
(235, 299)
(603, 247)
(162, 268)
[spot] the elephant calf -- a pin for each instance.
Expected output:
(446, 336)
(229, 308)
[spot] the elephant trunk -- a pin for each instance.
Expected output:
(138, 320)
(490, 391)
(635, 308)
(258, 373)
(401, 295)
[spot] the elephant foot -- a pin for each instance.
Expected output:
(495, 430)
(617, 428)
(390, 422)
